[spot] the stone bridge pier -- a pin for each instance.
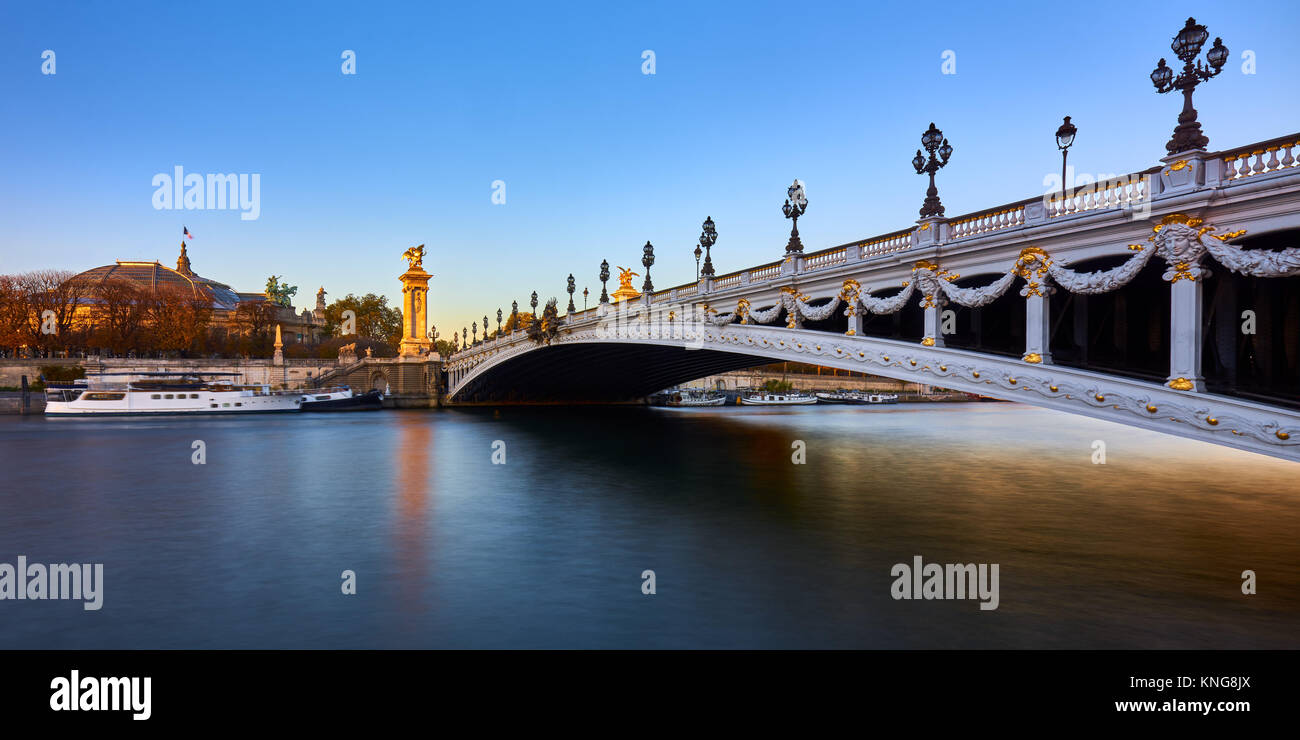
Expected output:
(410, 382)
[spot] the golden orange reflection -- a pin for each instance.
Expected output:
(411, 476)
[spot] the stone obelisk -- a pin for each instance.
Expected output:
(278, 359)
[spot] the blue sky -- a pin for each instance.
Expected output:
(597, 157)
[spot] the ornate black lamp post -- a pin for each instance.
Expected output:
(933, 141)
(604, 278)
(571, 288)
(648, 259)
(1064, 138)
(433, 335)
(584, 299)
(698, 253)
(514, 313)
(1187, 44)
(485, 328)
(498, 323)
(464, 336)
(796, 203)
(709, 237)
(533, 303)
(475, 334)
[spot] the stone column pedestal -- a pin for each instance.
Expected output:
(415, 311)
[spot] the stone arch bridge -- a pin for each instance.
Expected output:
(1167, 299)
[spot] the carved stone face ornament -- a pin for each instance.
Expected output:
(1179, 244)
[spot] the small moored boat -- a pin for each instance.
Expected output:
(778, 399)
(855, 397)
(369, 401)
(696, 398)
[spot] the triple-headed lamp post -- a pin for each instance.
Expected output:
(709, 237)
(647, 259)
(933, 142)
(1187, 45)
(796, 203)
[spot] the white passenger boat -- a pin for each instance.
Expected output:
(145, 394)
(778, 399)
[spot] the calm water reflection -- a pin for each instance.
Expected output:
(547, 550)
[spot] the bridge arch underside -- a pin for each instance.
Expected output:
(597, 373)
(582, 366)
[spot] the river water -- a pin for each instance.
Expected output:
(748, 549)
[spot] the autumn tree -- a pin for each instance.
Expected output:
(374, 318)
(178, 319)
(56, 292)
(13, 313)
(517, 321)
(254, 320)
(120, 315)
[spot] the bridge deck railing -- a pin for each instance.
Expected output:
(1257, 159)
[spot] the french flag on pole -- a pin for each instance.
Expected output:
(188, 235)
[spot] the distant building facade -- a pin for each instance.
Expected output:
(306, 326)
